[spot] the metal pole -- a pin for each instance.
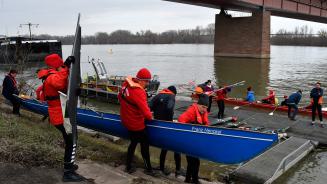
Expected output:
(29, 27)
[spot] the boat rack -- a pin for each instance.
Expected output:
(270, 165)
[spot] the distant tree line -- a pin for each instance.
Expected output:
(197, 35)
(300, 36)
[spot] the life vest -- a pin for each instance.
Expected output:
(134, 109)
(320, 101)
(166, 91)
(192, 115)
(125, 92)
(39, 93)
(13, 80)
(54, 82)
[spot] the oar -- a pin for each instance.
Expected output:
(272, 113)
(232, 85)
(237, 107)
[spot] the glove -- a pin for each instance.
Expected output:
(69, 61)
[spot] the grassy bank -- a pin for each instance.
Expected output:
(30, 142)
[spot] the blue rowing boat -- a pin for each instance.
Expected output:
(221, 145)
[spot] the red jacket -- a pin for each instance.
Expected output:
(221, 94)
(39, 93)
(271, 97)
(134, 109)
(56, 81)
(192, 115)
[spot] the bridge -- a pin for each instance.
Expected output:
(250, 36)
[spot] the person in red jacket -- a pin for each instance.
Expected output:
(134, 110)
(57, 80)
(195, 114)
(270, 99)
(221, 95)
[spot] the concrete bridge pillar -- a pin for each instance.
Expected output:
(243, 36)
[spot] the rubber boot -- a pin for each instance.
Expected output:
(72, 176)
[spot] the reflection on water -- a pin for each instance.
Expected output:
(312, 170)
(254, 71)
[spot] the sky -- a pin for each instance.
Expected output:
(58, 17)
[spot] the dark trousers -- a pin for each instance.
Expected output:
(70, 149)
(192, 172)
(177, 158)
(142, 138)
(290, 107)
(221, 107)
(316, 107)
(15, 105)
(210, 102)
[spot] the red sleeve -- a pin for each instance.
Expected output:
(38, 92)
(59, 79)
(188, 116)
(140, 100)
(205, 119)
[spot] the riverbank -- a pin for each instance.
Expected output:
(32, 151)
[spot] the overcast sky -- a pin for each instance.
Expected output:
(58, 17)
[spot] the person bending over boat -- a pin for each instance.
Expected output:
(292, 103)
(163, 106)
(209, 90)
(134, 110)
(250, 95)
(221, 95)
(270, 99)
(316, 96)
(56, 80)
(9, 89)
(195, 114)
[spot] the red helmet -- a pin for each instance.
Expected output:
(143, 74)
(54, 61)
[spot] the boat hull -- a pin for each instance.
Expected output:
(221, 145)
(302, 111)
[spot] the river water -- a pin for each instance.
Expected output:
(289, 68)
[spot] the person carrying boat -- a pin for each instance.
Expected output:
(270, 99)
(56, 79)
(195, 114)
(221, 95)
(250, 95)
(9, 89)
(292, 103)
(134, 110)
(209, 90)
(163, 106)
(316, 96)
